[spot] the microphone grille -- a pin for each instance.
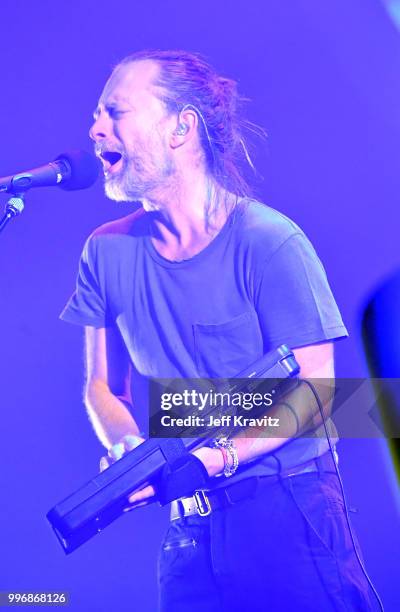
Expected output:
(84, 169)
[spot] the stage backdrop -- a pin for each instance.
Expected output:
(323, 79)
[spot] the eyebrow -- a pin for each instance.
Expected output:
(111, 105)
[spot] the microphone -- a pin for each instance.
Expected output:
(72, 170)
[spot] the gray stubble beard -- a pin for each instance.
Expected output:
(122, 188)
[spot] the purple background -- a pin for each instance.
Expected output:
(324, 80)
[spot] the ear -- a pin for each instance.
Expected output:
(185, 128)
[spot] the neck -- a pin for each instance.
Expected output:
(191, 210)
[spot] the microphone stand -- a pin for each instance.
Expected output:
(14, 207)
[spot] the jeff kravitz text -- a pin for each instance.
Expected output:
(226, 420)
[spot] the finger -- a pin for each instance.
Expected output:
(116, 451)
(132, 442)
(141, 495)
(104, 463)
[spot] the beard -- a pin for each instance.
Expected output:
(138, 177)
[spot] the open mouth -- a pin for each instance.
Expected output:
(110, 160)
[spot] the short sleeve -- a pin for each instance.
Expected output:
(87, 305)
(294, 301)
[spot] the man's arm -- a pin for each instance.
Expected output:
(316, 362)
(107, 390)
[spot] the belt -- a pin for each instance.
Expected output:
(204, 501)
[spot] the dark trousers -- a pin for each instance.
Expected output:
(286, 547)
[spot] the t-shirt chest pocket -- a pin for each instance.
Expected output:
(224, 349)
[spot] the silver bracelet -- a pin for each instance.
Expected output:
(230, 448)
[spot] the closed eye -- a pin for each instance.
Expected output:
(115, 113)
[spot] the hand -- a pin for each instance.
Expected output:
(142, 497)
(211, 458)
(118, 450)
(115, 452)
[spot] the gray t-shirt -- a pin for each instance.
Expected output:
(257, 285)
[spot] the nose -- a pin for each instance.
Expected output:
(100, 128)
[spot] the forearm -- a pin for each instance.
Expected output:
(296, 414)
(109, 414)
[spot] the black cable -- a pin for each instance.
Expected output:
(320, 407)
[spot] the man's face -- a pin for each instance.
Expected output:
(131, 132)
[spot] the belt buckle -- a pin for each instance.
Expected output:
(202, 503)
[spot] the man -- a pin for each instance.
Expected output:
(202, 281)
